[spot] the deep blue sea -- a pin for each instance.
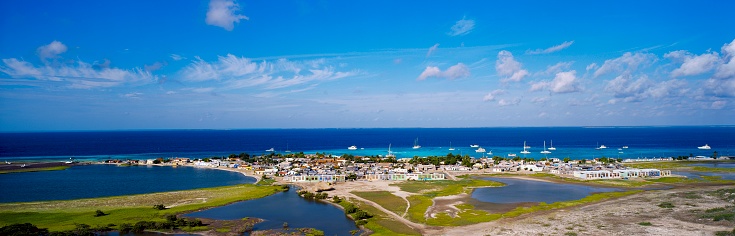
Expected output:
(573, 142)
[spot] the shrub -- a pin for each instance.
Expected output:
(361, 215)
(159, 207)
(666, 205)
(22, 229)
(336, 199)
(645, 223)
(349, 209)
(99, 213)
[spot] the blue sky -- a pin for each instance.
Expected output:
(222, 64)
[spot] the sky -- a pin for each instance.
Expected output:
(225, 64)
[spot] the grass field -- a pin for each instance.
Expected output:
(62, 215)
(34, 169)
(385, 199)
(381, 223)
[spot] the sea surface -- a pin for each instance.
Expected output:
(521, 190)
(572, 142)
(285, 207)
(90, 181)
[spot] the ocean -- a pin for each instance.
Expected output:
(572, 142)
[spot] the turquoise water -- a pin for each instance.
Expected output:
(520, 191)
(91, 181)
(285, 207)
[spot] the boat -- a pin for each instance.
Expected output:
(602, 147)
(705, 147)
(474, 146)
(511, 154)
(552, 148)
(625, 147)
(545, 151)
(490, 152)
(416, 144)
(450, 147)
(390, 153)
(287, 150)
(353, 147)
(480, 150)
(271, 150)
(524, 148)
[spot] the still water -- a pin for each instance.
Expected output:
(285, 207)
(716, 165)
(91, 181)
(698, 175)
(519, 190)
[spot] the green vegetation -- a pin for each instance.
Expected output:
(666, 205)
(720, 213)
(380, 223)
(120, 210)
(445, 187)
(34, 169)
(386, 200)
(681, 165)
(645, 223)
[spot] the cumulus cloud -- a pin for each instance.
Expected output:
(432, 49)
(727, 69)
(722, 83)
(456, 71)
(717, 105)
(506, 66)
(492, 95)
(563, 82)
(78, 75)
(554, 48)
(223, 13)
(509, 102)
(627, 63)
(693, 64)
(462, 27)
(51, 50)
(240, 72)
(627, 89)
(592, 66)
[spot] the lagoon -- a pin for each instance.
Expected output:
(521, 191)
(716, 165)
(285, 207)
(91, 181)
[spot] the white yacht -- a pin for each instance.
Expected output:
(524, 148)
(416, 144)
(511, 155)
(705, 147)
(353, 147)
(552, 148)
(474, 146)
(271, 150)
(480, 150)
(490, 152)
(545, 151)
(625, 147)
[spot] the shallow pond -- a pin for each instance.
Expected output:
(520, 190)
(698, 175)
(716, 165)
(91, 181)
(285, 207)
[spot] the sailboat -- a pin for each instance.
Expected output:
(552, 148)
(524, 148)
(545, 151)
(416, 144)
(705, 147)
(271, 150)
(450, 147)
(353, 147)
(490, 152)
(480, 150)
(287, 150)
(390, 153)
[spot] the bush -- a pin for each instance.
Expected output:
(22, 229)
(336, 199)
(645, 223)
(159, 207)
(666, 205)
(360, 222)
(349, 209)
(99, 213)
(361, 215)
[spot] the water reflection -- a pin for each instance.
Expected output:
(520, 190)
(285, 207)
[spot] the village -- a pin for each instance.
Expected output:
(329, 168)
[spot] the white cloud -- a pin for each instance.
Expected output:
(540, 99)
(78, 75)
(720, 87)
(727, 69)
(627, 63)
(492, 95)
(624, 87)
(509, 68)
(563, 82)
(556, 68)
(554, 48)
(592, 66)
(177, 57)
(134, 95)
(509, 102)
(693, 65)
(456, 71)
(462, 27)
(717, 105)
(223, 13)
(51, 50)
(240, 72)
(432, 49)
